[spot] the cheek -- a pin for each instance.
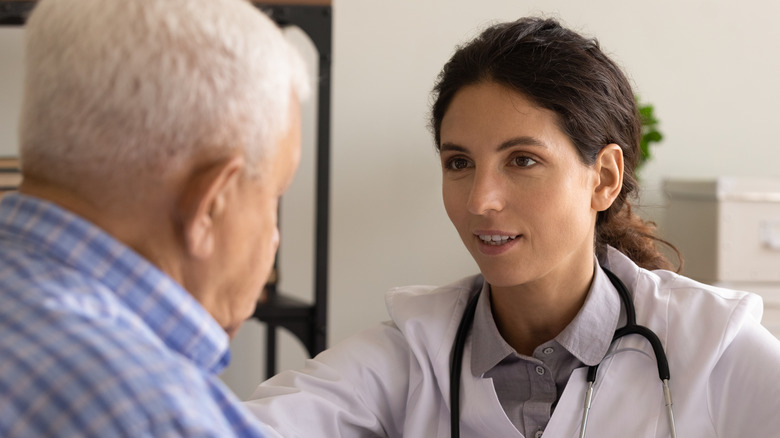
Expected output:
(568, 214)
(263, 255)
(265, 232)
(275, 240)
(268, 251)
(455, 196)
(453, 207)
(268, 241)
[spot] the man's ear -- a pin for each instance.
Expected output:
(609, 170)
(202, 202)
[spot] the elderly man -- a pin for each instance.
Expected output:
(156, 138)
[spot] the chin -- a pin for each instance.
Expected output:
(502, 282)
(502, 277)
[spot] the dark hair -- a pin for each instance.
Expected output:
(568, 74)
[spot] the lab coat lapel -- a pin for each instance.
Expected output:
(627, 397)
(481, 412)
(565, 421)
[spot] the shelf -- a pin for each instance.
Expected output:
(10, 174)
(307, 321)
(15, 12)
(278, 307)
(295, 315)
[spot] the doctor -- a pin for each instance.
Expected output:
(538, 135)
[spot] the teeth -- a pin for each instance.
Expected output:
(495, 239)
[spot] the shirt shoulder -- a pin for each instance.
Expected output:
(77, 362)
(67, 374)
(695, 321)
(408, 303)
(711, 315)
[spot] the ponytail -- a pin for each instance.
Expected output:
(636, 238)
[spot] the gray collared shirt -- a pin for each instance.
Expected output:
(529, 387)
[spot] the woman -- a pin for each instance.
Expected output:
(538, 134)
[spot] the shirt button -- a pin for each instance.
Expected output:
(548, 350)
(539, 433)
(540, 370)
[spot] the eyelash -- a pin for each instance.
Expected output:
(524, 158)
(450, 163)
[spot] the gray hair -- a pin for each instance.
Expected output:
(136, 88)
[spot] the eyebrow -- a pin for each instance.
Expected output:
(517, 141)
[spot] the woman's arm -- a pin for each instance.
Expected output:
(358, 388)
(744, 388)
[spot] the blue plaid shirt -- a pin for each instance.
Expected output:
(97, 342)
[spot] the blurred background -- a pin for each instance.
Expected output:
(710, 68)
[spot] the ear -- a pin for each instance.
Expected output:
(203, 201)
(609, 173)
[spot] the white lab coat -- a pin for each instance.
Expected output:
(393, 380)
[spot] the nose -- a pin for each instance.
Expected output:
(487, 193)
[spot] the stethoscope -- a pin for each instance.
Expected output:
(631, 328)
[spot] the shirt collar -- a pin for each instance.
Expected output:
(164, 306)
(587, 337)
(590, 333)
(488, 347)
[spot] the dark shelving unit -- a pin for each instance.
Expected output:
(306, 320)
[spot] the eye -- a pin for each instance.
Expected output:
(457, 163)
(523, 161)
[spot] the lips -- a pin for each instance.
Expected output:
(495, 239)
(495, 242)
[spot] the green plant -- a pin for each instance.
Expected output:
(650, 132)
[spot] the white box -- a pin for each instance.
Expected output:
(727, 229)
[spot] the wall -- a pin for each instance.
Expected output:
(11, 74)
(710, 67)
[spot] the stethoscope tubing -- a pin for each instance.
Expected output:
(456, 365)
(631, 328)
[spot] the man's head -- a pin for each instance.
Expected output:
(174, 125)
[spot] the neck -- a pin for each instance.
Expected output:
(531, 314)
(122, 221)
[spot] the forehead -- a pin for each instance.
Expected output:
(489, 110)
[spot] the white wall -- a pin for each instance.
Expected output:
(710, 67)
